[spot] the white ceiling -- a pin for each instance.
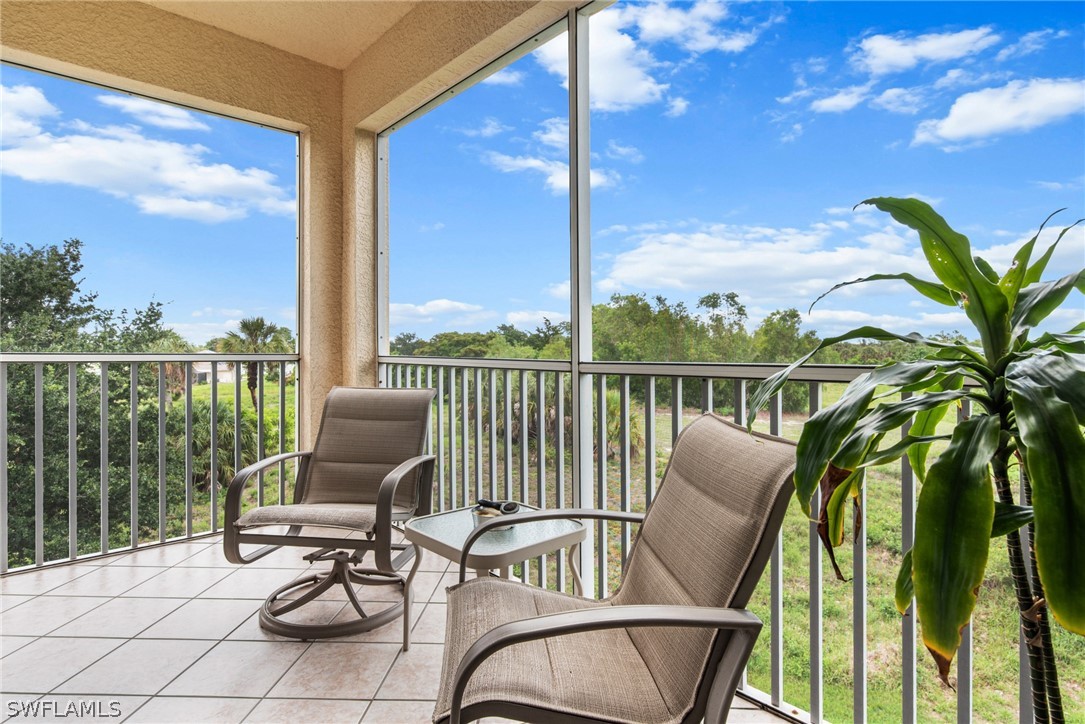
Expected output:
(330, 32)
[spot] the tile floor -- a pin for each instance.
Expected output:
(171, 634)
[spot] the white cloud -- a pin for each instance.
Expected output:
(792, 134)
(428, 228)
(899, 100)
(676, 106)
(155, 113)
(559, 290)
(556, 173)
(490, 127)
(506, 76)
(530, 319)
(1030, 43)
(620, 69)
(841, 101)
(22, 107)
(554, 133)
(617, 151)
(1015, 107)
(200, 332)
(159, 177)
(881, 54)
(213, 312)
(692, 27)
(400, 313)
(958, 77)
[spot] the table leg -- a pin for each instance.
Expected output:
(574, 555)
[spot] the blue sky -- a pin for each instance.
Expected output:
(181, 207)
(729, 144)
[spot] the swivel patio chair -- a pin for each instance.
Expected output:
(671, 643)
(366, 471)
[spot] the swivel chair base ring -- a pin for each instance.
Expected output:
(344, 572)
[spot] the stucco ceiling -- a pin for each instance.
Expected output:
(330, 32)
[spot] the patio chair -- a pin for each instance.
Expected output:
(671, 643)
(365, 472)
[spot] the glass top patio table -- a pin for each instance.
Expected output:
(445, 533)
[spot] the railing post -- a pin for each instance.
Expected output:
(776, 583)
(907, 622)
(39, 466)
(816, 673)
(4, 468)
(103, 436)
(133, 452)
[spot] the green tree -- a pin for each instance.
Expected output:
(256, 335)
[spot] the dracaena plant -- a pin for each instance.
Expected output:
(1024, 416)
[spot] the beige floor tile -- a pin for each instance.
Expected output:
(161, 555)
(751, 716)
(45, 614)
(186, 710)
(415, 674)
(288, 557)
(210, 557)
(277, 711)
(53, 707)
(11, 644)
(180, 583)
(35, 582)
(44, 664)
(255, 583)
(317, 612)
(238, 668)
(203, 619)
(106, 581)
(138, 667)
(399, 712)
(119, 618)
(449, 579)
(333, 670)
(431, 562)
(430, 628)
(9, 601)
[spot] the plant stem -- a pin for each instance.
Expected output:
(1051, 672)
(1029, 627)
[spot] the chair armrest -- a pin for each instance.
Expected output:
(595, 619)
(230, 544)
(552, 514)
(387, 491)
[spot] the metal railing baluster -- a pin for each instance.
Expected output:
(441, 487)
(649, 440)
(776, 578)
(465, 423)
(133, 453)
(492, 391)
(602, 586)
(676, 408)
(261, 442)
(162, 452)
(507, 392)
(452, 457)
(214, 438)
(814, 541)
(964, 653)
(559, 463)
(188, 449)
(73, 461)
(4, 468)
(39, 465)
(524, 453)
(478, 433)
(103, 460)
(540, 459)
(907, 622)
(282, 431)
(625, 454)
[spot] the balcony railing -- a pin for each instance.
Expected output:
(502, 428)
(104, 453)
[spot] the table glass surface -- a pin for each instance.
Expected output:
(452, 527)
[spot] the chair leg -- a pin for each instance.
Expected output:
(344, 574)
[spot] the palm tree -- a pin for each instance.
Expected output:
(256, 336)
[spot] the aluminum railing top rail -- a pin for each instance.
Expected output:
(718, 370)
(93, 357)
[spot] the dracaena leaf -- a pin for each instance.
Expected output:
(1036, 272)
(902, 596)
(954, 515)
(1063, 372)
(1014, 279)
(931, 290)
(925, 424)
(1009, 518)
(887, 417)
(950, 258)
(1037, 301)
(821, 438)
(898, 449)
(1054, 451)
(986, 269)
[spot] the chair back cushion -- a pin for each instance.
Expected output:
(698, 540)
(364, 434)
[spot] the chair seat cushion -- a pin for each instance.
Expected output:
(597, 674)
(331, 515)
